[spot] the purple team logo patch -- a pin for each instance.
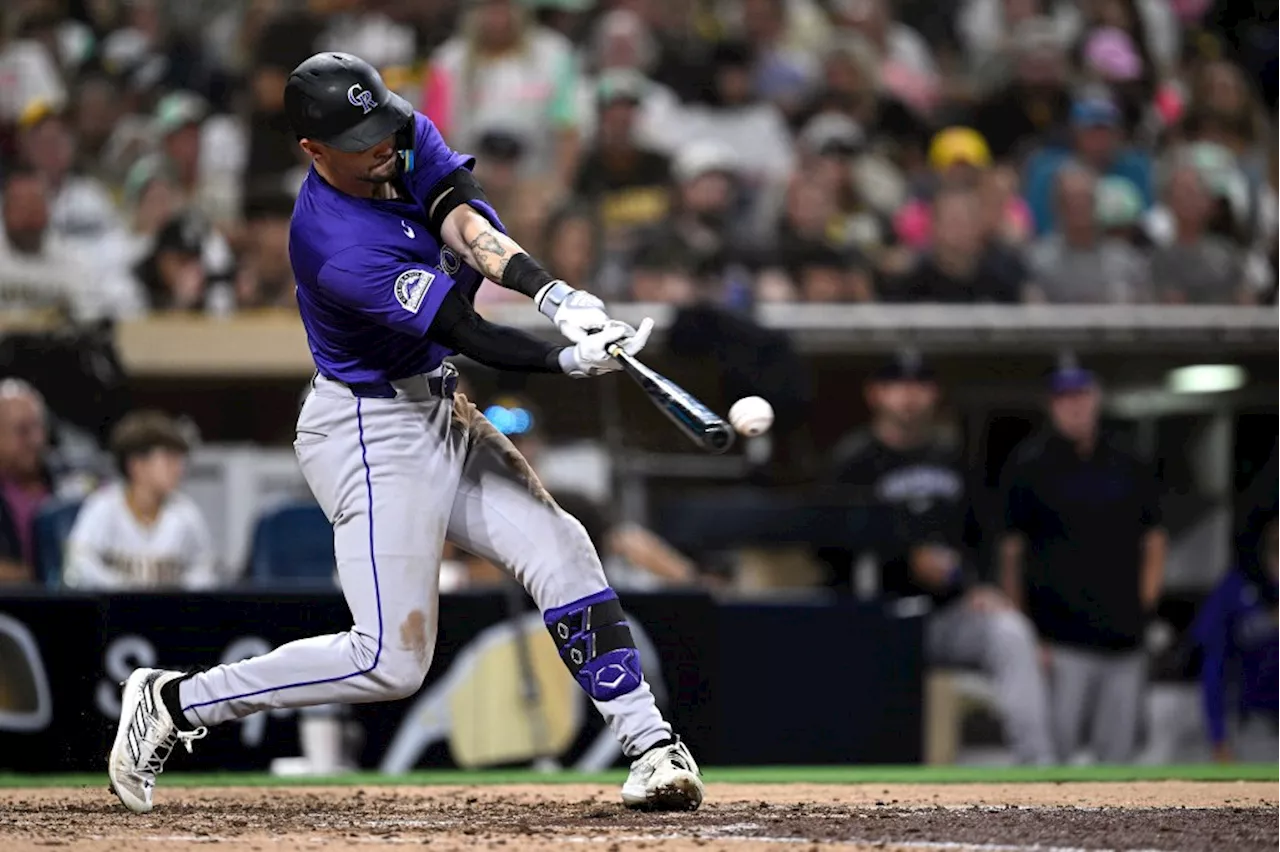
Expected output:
(361, 97)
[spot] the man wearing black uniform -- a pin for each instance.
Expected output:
(918, 481)
(1085, 513)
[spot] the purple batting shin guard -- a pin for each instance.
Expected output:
(596, 644)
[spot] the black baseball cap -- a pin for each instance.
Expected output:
(904, 366)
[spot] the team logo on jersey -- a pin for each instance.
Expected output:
(361, 97)
(411, 288)
(449, 260)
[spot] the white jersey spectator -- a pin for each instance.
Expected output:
(112, 548)
(142, 533)
(41, 272)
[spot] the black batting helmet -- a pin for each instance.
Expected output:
(340, 100)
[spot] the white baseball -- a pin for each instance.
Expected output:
(751, 416)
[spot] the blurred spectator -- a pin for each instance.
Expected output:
(1224, 109)
(1110, 56)
(81, 210)
(1150, 33)
(1077, 264)
(1198, 267)
(905, 62)
(732, 116)
(825, 274)
(700, 230)
(962, 265)
(999, 35)
(504, 71)
(265, 278)
(364, 29)
(30, 73)
(785, 65)
(1033, 106)
(1097, 141)
(915, 476)
(572, 246)
(203, 155)
(142, 533)
(820, 265)
(39, 272)
(628, 184)
(1236, 627)
(848, 86)
(95, 112)
(276, 43)
(1083, 554)
(1005, 216)
(523, 199)
(666, 273)
(621, 41)
(179, 274)
(25, 483)
(1234, 211)
(833, 149)
(960, 158)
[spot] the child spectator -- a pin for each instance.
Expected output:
(142, 533)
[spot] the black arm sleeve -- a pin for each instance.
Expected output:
(458, 326)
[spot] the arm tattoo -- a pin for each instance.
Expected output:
(489, 255)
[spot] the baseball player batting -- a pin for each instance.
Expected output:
(390, 239)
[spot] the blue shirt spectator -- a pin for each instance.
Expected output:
(1096, 141)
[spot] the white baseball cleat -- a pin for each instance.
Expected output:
(144, 739)
(664, 778)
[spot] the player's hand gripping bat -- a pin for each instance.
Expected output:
(703, 426)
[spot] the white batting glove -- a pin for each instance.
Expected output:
(590, 356)
(576, 313)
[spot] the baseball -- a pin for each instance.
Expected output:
(751, 416)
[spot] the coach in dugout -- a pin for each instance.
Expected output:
(1083, 554)
(916, 478)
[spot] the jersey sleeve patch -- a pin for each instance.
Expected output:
(411, 288)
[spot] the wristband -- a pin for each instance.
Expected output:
(551, 297)
(524, 275)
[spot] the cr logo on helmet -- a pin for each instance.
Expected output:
(361, 97)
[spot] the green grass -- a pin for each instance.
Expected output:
(726, 775)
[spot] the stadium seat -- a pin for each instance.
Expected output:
(52, 529)
(292, 546)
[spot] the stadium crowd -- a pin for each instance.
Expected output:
(1105, 151)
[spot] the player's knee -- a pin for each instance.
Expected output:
(596, 645)
(395, 672)
(401, 674)
(570, 538)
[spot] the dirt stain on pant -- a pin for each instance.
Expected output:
(493, 451)
(413, 636)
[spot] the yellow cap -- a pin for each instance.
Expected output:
(959, 145)
(35, 112)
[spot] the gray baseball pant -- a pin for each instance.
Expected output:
(1002, 644)
(396, 477)
(1103, 689)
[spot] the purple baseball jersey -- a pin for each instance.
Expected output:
(371, 276)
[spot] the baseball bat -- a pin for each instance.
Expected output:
(702, 425)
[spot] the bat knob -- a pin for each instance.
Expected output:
(718, 438)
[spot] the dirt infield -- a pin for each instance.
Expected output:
(1171, 815)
